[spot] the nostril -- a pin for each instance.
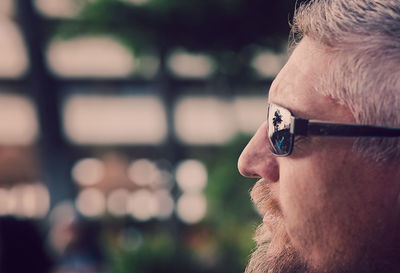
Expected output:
(252, 175)
(259, 163)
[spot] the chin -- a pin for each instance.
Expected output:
(275, 253)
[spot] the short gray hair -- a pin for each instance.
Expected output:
(362, 38)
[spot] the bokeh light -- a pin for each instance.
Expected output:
(88, 171)
(189, 65)
(117, 202)
(91, 202)
(142, 205)
(191, 176)
(143, 172)
(191, 208)
(165, 204)
(29, 200)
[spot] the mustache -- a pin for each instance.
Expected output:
(262, 197)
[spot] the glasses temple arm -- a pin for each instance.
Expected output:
(316, 128)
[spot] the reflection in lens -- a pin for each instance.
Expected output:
(279, 120)
(281, 141)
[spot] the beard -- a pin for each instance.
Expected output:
(274, 252)
(276, 255)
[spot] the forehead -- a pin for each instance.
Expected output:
(295, 85)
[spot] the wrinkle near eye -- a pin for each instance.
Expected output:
(301, 145)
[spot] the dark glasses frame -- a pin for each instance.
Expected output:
(305, 127)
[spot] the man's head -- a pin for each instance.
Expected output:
(332, 205)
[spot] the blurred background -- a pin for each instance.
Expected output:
(121, 122)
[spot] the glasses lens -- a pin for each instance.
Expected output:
(279, 120)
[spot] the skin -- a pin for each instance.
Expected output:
(338, 209)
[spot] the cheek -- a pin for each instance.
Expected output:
(315, 208)
(302, 202)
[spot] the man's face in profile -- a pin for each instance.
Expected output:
(324, 207)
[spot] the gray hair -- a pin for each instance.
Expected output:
(362, 38)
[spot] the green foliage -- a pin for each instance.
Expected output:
(200, 25)
(159, 253)
(231, 213)
(227, 190)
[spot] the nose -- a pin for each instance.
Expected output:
(257, 160)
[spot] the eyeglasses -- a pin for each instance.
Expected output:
(283, 127)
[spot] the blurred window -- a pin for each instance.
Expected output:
(204, 120)
(18, 121)
(58, 8)
(97, 57)
(97, 119)
(268, 63)
(250, 112)
(7, 8)
(189, 65)
(13, 56)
